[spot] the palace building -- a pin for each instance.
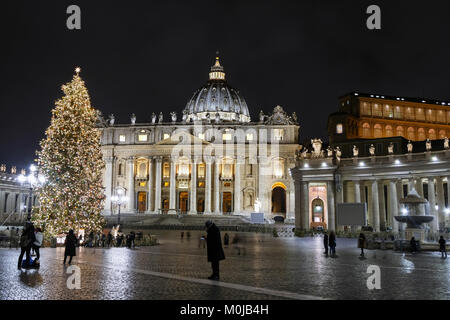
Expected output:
(214, 159)
(369, 116)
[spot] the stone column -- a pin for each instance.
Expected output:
(108, 178)
(216, 187)
(331, 206)
(150, 185)
(173, 183)
(432, 201)
(237, 185)
(419, 186)
(375, 206)
(130, 178)
(208, 187)
(262, 185)
(193, 191)
(298, 205)
(382, 204)
(305, 205)
(393, 205)
(440, 202)
(158, 174)
(357, 191)
(339, 199)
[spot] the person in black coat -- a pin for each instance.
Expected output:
(413, 245)
(214, 248)
(442, 248)
(325, 242)
(332, 243)
(26, 240)
(70, 244)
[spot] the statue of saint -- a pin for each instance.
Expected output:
(317, 148)
(371, 150)
(446, 143)
(261, 116)
(329, 152)
(257, 205)
(133, 118)
(161, 117)
(174, 116)
(111, 119)
(338, 153)
(428, 145)
(391, 148)
(153, 118)
(409, 146)
(355, 151)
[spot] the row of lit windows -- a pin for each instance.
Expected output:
(404, 113)
(379, 131)
(226, 136)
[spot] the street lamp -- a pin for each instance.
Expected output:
(34, 179)
(119, 199)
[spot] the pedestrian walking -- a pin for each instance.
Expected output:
(201, 241)
(70, 244)
(226, 239)
(332, 243)
(188, 235)
(325, 242)
(109, 239)
(362, 243)
(214, 248)
(442, 248)
(26, 240)
(38, 243)
(182, 235)
(132, 238)
(103, 240)
(413, 245)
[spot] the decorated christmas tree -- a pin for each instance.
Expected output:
(71, 161)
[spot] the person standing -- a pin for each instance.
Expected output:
(226, 239)
(109, 239)
(325, 242)
(70, 244)
(332, 243)
(214, 248)
(38, 243)
(413, 245)
(26, 240)
(442, 248)
(362, 243)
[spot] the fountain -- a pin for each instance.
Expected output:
(414, 216)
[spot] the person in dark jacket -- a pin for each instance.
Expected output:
(325, 242)
(332, 243)
(26, 241)
(214, 248)
(413, 245)
(362, 243)
(442, 248)
(70, 244)
(226, 239)
(109, 239)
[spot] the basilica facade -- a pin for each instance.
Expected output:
(212, 159)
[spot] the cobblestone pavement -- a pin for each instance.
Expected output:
(266, 268)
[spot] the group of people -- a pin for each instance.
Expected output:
(31, 238)
(107, 240)
(329, 243)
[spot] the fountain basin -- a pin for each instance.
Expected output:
(414, 222)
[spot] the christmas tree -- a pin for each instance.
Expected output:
(71, 161)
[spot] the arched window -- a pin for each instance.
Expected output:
(227, 168)
(432, 134)
(366, 130)
(411, 133)
(421, 134)
(166, 170)
(377, 131)
(120, 170)
(400, 131)
(442, 134)
(389, 131)
(409, 113)
(142, 170)
(183, 167)
(278, 168)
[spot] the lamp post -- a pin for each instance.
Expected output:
(118, 199)
(34, 179)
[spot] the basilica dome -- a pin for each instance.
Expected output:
(216, 99)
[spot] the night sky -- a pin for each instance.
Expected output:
(150, 56)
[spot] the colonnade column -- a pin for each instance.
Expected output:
(298, 205)
(331, 206)
(172, 197)
(237, 185)
(150, 185)
(108, 183)
(440, 202)
(130, 177)
(193, 205)
(339, 197)
(216, 187)
(393, 205)
(158, 170)
(381, 205)
(304, 195)
(375, 206)
(208, 186)
(357, 191)
(432, 202)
